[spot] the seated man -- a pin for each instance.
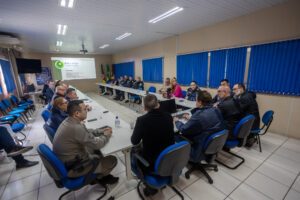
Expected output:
(15, 151)
(248, 106)
(156, 131)
(29, 87)
(113, 81)
(138, 84)
(43, 95)
(73, 143)
(229, 109)
(224, 82)
(205, 120)
(58, 113)
(120, 94)
(50, 91)
(71, 94)
(192, 91)
(60, 92)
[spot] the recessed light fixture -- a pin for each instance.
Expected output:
(121, 37)
(165, 15)
(63, 3)
(61, 29)
(104, 46)
(59, 43)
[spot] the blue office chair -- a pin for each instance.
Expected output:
(135, 97)
(48, 107)
(152, 89)
(184, 93)
(267, 120)
(49, 131)
(16, 128)
(46, 115)
(240, 134)
(167, 167)
(213, 144)
(58, 171)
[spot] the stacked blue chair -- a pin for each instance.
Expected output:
(18, 110)
(58, 171)
(267, 120)
(213, 144)
(46, 115)
(17, 103)
(167, 169)
(152, 89)
(49, 131)
(240, 134)
(184, 93)
(16, 114)
(48, 107)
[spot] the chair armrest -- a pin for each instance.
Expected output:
(182, 137)
(141, 159)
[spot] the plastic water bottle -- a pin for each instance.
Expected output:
(117, 122)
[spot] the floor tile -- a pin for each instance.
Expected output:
(223, 181)
(5, 172)
(202, 190)
(28, 196)
(184, 182)
(285, 163)
(119, 168)
(292, 144)
(1, 190)
(45, 179)
(292, 195)
(89, 192)
(128, 186)
(279, 174)
(50, 192)
(177, 197)
(132, 195)
(268, 186)
(287, 153)
(241, 173)
(296, 185)
(25, 172)
(22, 186)
(164, 194)
(245, 192)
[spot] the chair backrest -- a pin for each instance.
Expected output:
(152, 89)
(215, 142)
(243, 128)
(172, 160)
(48, 106)
(49, 131)
(46, 115)
(184, 93)
(2, 106)
(53, 165)
(14, 99)
(268, 117)
(6, 102)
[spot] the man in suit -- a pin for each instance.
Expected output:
(156, 132)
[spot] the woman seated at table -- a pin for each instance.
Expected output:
(175, 89)
(58, 112)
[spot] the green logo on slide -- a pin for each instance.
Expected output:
(59, 64)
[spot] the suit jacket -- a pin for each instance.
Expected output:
(231, 113)
(156, 131)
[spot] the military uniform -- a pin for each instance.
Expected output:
(192, 94)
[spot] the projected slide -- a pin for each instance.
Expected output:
(73, 68)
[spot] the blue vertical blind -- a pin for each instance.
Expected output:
(235, 65)
(217, 67)
(152, 70)
(122, 69)
(8, 76)
(192, 67)
(275, 68)
(22, 78)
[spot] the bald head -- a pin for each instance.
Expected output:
(223, 92)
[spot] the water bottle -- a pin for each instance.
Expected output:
(117, 122)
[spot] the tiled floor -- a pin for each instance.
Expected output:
(272, 174)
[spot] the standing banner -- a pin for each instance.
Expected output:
(42, 78)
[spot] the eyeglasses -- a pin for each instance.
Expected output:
(65, 102)
(234, 88)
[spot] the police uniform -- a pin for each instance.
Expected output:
(192, 94)
(73, 141)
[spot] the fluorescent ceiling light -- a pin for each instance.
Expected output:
(59, 43)
(123, 36)
(165, 15)
(104, 46)
(59, 29)
(71, 3)
(64, 29)
(63, 3)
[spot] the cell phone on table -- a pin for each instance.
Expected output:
(106, 111)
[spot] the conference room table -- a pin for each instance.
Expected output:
(179, 101)
(120, 139)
